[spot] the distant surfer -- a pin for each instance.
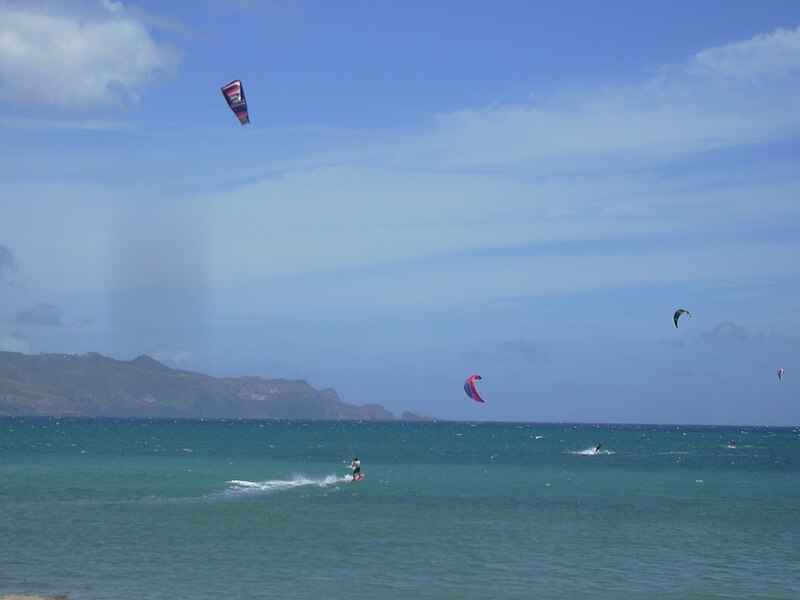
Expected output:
(597, 448)
(732, 444)
(356, 464)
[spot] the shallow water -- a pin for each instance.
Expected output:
(251, 509)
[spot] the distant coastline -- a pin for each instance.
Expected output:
(93, 385)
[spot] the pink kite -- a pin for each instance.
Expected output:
(234, 95)
(472, 391)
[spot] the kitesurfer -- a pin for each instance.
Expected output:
(597, 448)
(356, 464)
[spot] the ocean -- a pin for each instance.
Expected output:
(183, 509)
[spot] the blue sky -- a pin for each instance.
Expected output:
(427, 190)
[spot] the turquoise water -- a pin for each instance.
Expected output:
(132, 509)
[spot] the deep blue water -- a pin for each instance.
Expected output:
(132, 509)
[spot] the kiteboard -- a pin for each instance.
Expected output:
(359, 477)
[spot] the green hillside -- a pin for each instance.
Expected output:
(93, 385)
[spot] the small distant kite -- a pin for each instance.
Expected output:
(234, 94)
(780, 373)
(472, 391)
(678, 314)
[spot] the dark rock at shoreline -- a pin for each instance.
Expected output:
(413, 415)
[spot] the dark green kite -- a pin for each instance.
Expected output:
(678, 314)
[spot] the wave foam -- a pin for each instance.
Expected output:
(590, 452)
(277, 485)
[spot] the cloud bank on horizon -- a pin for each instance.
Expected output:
(522, 237)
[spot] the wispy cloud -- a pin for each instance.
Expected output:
(741, 93)
(77, 56)
(764, 60)
(172, 356)
(725, 334)
(40, 314)
(525, 350)
(62, 124)
(509, 191)
(573, 192)
(7, 262)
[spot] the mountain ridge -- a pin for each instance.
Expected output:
(93, 385)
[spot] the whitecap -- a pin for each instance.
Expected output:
(590, 452)
(240, 486)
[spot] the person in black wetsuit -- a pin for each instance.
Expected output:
(356, 468)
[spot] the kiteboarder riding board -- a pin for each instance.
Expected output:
(358, 477)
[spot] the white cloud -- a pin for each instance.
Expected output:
(406, 222)
(553, 167)
(737, 94)
(172, 356)
(763, 59)
(77, 57)
(14, 343)
(625, 210)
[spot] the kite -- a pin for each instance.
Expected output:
(234, 94)
(472, 391)
(780, 373)
(677, 315)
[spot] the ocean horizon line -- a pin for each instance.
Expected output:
(422, 422)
